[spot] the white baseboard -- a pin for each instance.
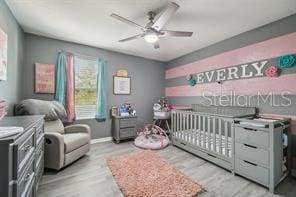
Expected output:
(100, 140)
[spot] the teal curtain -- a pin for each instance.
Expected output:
(101, 111)
(61, 78)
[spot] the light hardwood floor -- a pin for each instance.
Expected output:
(90, 176)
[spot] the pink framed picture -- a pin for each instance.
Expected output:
(44, 78)
(3, 55)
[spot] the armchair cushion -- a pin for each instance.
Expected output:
(73, 141)
(54, 126)
(77, 128)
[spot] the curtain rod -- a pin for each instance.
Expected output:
(81, 55)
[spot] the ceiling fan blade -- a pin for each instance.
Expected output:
(156, 45)
(124, 20)
(164, 33)
(165, 16)
(132, 38)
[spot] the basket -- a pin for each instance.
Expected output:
(161, 114)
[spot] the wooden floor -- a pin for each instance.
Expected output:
(90, 176)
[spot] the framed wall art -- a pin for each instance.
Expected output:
(3, 55)
(44, 78)
(121, 85)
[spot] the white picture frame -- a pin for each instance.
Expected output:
(121, 85)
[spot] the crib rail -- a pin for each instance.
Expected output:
(209, 132)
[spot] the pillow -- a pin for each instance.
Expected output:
(52, 110)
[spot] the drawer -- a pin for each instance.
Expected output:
(252, 137)
(128, 132)
(39, 153)
(129, 122)
(23, 151)
(24, 186)
(252, 171)
(39, 173)
(39, 131)
(252, 153)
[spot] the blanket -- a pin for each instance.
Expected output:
(52, 110)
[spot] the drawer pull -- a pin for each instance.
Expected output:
(211, 155)
(250, 129)
(250, 146)
(26, 148)
(250, 163)
(27, 177)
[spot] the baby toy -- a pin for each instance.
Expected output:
(152, 137)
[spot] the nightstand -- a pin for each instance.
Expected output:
(124, 127)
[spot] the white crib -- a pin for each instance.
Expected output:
(207, 131)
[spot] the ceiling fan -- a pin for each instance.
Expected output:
(153, 29)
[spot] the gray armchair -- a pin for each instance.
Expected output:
(64, 145)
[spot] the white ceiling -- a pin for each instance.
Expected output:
(89, 22)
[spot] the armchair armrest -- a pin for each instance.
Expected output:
(54, 150)
(78, 128)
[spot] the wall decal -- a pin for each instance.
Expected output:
(44, 78)
(250, 86)
(191, 80)
(244, 71)
(287, 61)
(272, 71)
(3, 55)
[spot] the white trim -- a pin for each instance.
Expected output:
(100, 140)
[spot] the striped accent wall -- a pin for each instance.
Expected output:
(264, 50)
(178, 90)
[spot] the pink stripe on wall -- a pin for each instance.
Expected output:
(251, 86)
(263, 50)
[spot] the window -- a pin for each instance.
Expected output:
(85, 87)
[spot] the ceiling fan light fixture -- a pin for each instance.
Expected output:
(151, 37)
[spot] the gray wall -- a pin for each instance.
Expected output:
(147, 77)
(10, 89)
(272, 30)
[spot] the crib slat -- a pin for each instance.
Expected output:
(174, 123)
(204, 130)
(209, 133)
(191, 127)
(181, 123)
(187, 121)
(220, 136)
(214, 132)
(199, 130)
(177, 123)
(195, 128)
(226, 137)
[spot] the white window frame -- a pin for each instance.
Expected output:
(91, 115)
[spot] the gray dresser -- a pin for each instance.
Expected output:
(260, 152)
(124, 127)
(21, 165)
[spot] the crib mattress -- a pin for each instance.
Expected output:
(192, 137)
